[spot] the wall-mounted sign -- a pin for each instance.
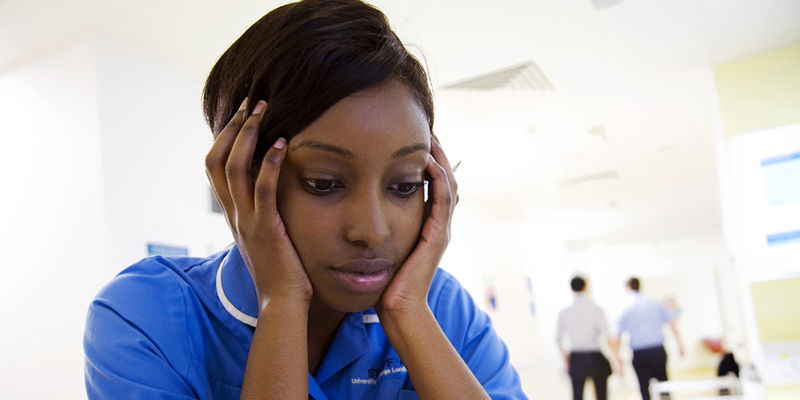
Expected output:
(783, 238)
(159, 249)
(782, 178)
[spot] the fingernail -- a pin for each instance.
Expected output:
(244, 104)
(259, 107)
(280, 143)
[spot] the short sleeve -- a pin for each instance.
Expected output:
(560, 328)
(602, 323)
(132, 341)
(470, 331)
(621, 324)
(664, 314)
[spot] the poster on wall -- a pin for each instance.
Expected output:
(765, 202)
(782, 178)
(782, 187)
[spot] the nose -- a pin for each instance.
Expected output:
(367, 221)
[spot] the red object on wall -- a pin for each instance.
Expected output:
(713, 344)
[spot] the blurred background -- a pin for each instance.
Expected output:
(608, 138)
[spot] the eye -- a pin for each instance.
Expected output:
(321, 186)
(405, 189)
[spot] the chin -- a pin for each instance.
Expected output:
(349, 303)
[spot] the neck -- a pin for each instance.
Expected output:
(323, 322)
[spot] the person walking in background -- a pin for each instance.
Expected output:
(643, 321)
(583, 325)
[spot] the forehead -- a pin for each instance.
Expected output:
(371, 123)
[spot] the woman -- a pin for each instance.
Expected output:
(323, 140)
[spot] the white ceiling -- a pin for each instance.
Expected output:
(636, 75)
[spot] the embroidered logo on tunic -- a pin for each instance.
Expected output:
(391, 366)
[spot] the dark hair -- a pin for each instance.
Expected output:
(304, 57)
(633, 283)
(577, 284)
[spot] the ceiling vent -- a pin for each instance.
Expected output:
(525, 76)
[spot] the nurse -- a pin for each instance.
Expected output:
(323, 142)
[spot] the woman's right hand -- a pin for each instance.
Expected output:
(251, 209)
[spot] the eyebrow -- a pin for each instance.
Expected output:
(313, 144)
(410, 149)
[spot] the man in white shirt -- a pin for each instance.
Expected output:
(583, 325)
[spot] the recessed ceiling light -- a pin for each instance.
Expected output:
(601, 4)
(597, 176)
(599, 131)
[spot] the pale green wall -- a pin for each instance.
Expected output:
(760, 92)
(776, 308)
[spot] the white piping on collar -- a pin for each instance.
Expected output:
(371, 319)
(229, 307)
(250, 320)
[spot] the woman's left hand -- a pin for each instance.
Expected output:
(408, 290)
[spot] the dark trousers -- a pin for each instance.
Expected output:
(584, 365)
(649, 363)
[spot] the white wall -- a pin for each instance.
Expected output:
(103, 152)
(153, 144)
(52, 226)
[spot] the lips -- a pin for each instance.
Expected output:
(363, 275)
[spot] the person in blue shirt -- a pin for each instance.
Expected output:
(643, 321)
(323, 142)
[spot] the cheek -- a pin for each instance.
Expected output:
(309, 227)
(407, 225)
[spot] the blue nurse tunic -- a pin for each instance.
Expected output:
(181, 327)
